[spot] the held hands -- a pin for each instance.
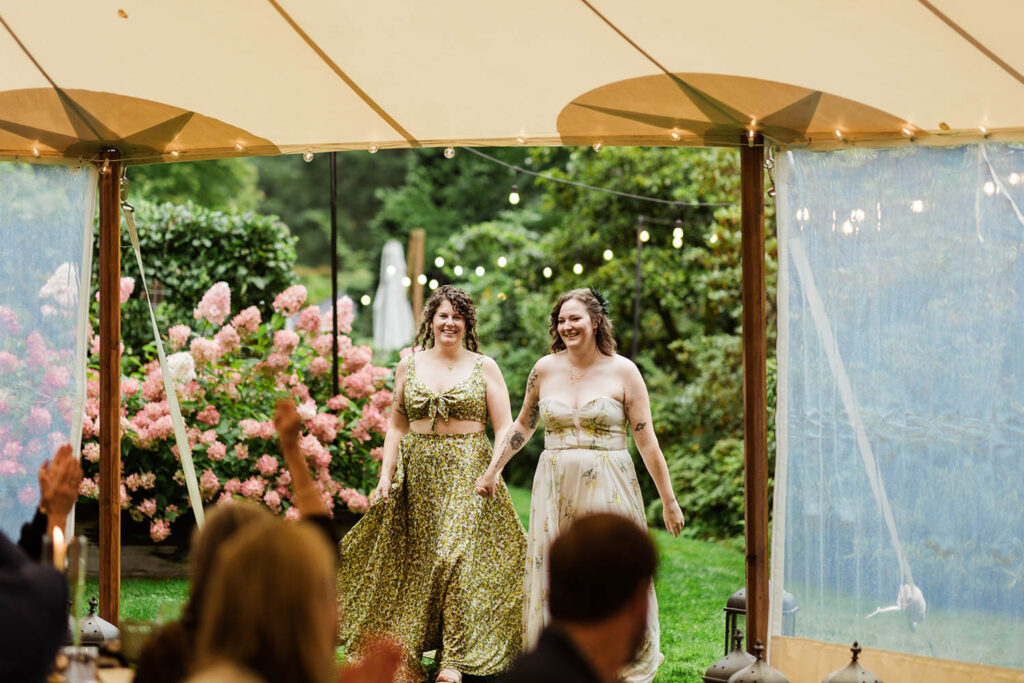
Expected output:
(487, 484)
(674, 519)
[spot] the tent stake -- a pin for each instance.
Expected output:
(755, 414)
(110, 387)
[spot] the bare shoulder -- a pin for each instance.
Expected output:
(625, 366)
(489, 366)
(548, 362)
(403, 366)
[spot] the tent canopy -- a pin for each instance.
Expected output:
(194, 80)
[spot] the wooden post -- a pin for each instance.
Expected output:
(334, 274)
(417, 242)
(755, 413)
(110, 387)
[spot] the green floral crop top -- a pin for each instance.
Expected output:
(465, 400)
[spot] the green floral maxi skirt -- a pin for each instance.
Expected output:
(437, 566)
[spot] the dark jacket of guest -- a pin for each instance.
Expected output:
(34, 621)
(555, 660)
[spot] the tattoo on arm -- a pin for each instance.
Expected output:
(397, 404)
(514, 441)
(534, 417)
(639, 427)
(531, 383)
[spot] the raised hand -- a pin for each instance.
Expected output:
(58, 485)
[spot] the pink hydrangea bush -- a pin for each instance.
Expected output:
(228, 372)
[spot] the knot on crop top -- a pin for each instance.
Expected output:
(465, 400)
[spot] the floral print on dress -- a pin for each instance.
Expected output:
(585, 467)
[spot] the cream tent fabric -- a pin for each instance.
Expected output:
(193, 79)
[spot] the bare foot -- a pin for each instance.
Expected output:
(449, 676)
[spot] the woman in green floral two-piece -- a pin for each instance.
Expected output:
(431, 563)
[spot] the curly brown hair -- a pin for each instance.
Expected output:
(463, 305)
(597, 311)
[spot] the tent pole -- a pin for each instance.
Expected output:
(414, 268)
(334, 272)
(755, 413)
(110, 387)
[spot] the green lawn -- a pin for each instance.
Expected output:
(695, 578)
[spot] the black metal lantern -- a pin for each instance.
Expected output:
(724, 668)
(759, 671)
(736, 606)
(852, 672)
(97, 631)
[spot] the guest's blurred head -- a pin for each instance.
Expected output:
(270, 604)
(601, 568)
(223, 522)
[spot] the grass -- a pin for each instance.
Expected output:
(695, 578)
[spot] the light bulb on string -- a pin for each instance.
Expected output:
(502, 261)
(373, 149)
(479, 271)
(449, 152)
(307, 156)
(1014, 178)
(608, 255)
(365, 299)
(513, 195)
(675, 135)
(598, 146)
(35, 151)
(677, 242)
(406, 281)
(439, 262)
(546, 272)
(839, 134)
(990, 188)
(239, 147)
(521, 140)
(714, 238)
(391, 270)
(578, 269)
(644, 236)
(175, 154)
(457, 270)
(432, 284)
(677, 231)
(916, 206)
(421, 278)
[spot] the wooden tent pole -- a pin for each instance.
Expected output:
(755, 413)
(110, 387)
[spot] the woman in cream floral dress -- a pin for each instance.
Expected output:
(589, 399)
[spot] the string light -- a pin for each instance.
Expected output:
(521, 140)
(578, 269)
(608, 255)
(546, 272)
(35, 151)
(917, 206)
(365, 299)
(983, 129)
(714, 238)
(373, 149)
(479, 271)
(677, 232)
(513, 195)
(307, 156)
(1014, 178)
(675, 135)
(433, 284)
(644, 235)
(175, 154)
(239, 147)
(989, 188)
(907, 131)
(598, 146)
(421, 278)
(677, 242)
(449, 152)
(457, 270)
(391, 270)
(439, 262)
(839, 133)
(406, 281)
(502, 261)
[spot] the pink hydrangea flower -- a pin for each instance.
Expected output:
(125, 500)
(277, 361)
(91, 451)
(233, 485)
(292, 514)
(216, 451)
(130, 386)
(179, 335)
(57, 378)
(215, 304)
(315, 451)
(358, 503)
(241, 451)
(209, 415)
(309, 320)
(319, 366)
(306, 409)
(159, 530)
(285, 341)
(267, 465)
(323, 426)
(247, 322)
(127, 286)
(250, 428)
(27, 495)
(9, 321)
(206, 437)
(228, 339)
(355, 358)
(147, 507)
(345, 310)
(88, 488)
(273, 500)
(337, 403)
(377, 453)
(290, 300)
(209, 484)
(253, 487)
(205, 350)
(362, 383)
(9, 362)
(39, 419)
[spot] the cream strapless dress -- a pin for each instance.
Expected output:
(585, 467)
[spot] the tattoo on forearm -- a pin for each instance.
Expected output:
(534, 417)
(513, 441)
(639, 427)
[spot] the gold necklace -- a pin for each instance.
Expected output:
(575, 374)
